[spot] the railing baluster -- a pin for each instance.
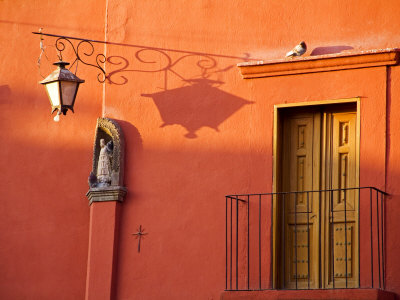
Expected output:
(359, 250)
(319, 240)
(332, 240)
(272, 234)
(237, 242)
(378, 243)
(284, 241)
(372, 247)
(345, 234)
(308, 241)
(259, 240)
(248, 242)
(383, 248)
(226, 243)
(230, 276)
(295, 233)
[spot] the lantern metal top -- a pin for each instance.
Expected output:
(61, 74)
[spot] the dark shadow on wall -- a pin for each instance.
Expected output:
(132, 155)
(5, 93)
(199, 104)
(329, 50)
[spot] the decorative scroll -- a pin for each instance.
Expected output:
(80, 53)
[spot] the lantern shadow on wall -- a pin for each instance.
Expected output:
(199, 104)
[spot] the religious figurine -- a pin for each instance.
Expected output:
(104, 164)
(106, 178)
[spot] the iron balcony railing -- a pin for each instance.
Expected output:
(272, 240)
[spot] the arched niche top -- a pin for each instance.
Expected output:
(109, 130)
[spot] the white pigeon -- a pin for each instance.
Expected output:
(299, 50)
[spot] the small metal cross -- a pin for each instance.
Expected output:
(140, 232)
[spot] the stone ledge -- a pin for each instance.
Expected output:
(320, 63)
(336, 294)
(104, 194)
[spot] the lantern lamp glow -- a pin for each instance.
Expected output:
(61, 87)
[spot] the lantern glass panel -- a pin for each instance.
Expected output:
(54, 93)
(68, 89)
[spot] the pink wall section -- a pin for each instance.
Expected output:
(194, 131)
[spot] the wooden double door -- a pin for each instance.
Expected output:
(318, 235)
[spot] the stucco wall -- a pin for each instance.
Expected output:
(44, 165)
(195, 131)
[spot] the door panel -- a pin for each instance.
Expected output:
(342, 221)
(300, 219)
(319, 230)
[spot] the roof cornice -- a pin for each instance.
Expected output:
(320, 63)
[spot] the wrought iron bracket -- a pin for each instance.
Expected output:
(166, 61)
(80, 55)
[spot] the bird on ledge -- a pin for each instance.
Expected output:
(299, 50)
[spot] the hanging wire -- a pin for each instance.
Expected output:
(59, 55)
(42, 51)
(76, 67)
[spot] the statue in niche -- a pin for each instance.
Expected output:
(108, 157)
(104, 164)
(104, 172)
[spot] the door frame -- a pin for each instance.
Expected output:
(277, 147)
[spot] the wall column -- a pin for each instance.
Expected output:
(103, 241)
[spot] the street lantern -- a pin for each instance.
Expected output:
(61, 87)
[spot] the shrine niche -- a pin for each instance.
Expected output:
(107, 175)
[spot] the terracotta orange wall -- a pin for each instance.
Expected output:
(217, 137)
(393, 167)
(44, 214)
(177, 184)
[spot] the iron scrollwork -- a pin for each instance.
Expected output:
(79, 52)
(157, 59)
